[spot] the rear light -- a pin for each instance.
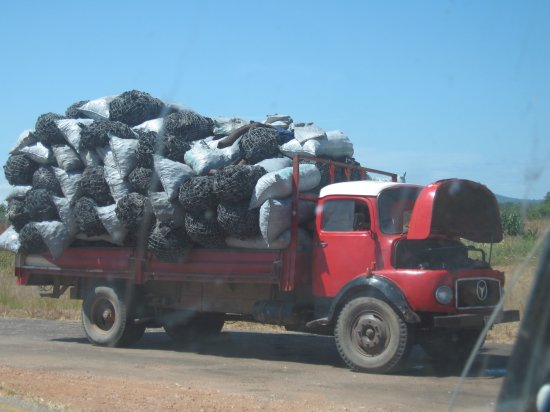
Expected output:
(444, 294)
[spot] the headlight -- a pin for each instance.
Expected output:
(444, 294)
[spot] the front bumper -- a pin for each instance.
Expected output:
(474, 320)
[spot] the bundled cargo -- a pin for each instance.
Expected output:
(133, 169)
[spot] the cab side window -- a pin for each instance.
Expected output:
(345, 215)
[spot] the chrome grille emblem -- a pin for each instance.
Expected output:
(482, 290)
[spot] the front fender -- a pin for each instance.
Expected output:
(391, 292)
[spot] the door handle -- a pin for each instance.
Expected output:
(322, 244)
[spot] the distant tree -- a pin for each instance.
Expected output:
(547, 198)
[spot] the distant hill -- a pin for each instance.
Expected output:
(505, 199)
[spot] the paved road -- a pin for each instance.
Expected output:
(286, 366)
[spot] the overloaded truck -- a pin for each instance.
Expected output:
(390, 265)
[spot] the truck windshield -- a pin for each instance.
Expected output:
(395, 205)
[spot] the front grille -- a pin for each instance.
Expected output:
(477, 293)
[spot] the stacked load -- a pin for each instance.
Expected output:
(133, 170)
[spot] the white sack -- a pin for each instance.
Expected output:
(55, 235)
(9, 240)
(38, 153)
(69, 182)
(117, 185)
(112, 224)
(202, 158)
(66, 214)
(90, 158)
(166, 210)
(280, 120)
(71, 129)
(304, 132)
(277, 163)
(336, 145)
(18, 192)
(67, 158)
(171, 174)
(109, 161)
(97, 109)
(124, 152)
(276, 216)
(293, 148)
(278, 185)
(103, 152)
(224, 126)
(26, 138)
(304, 242)
(154, 125)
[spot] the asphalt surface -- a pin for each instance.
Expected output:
(288, 366)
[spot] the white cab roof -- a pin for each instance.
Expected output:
(361, 188)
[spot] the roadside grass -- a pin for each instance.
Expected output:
(517, 257)
(19, 301)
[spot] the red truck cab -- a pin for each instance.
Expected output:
(389, 260)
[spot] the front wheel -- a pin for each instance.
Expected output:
(106, 318)
(371, 336)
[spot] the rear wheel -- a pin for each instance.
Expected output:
(201, 326)
(371, 336)
(106, 318)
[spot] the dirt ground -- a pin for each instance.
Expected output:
(76, 392)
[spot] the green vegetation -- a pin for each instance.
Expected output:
(26, 301)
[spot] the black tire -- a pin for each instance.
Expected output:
(132, 334)
(199, 327)
(449, 347)
(106, 318)
(371, 336)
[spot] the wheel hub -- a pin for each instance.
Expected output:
(103, 315)
(107, 315)
(370, 334)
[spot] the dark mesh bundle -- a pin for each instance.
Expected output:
(133, 210)
(175, 147)
(150, 143)
(236, 183)
(323, 169)
(94, 185)
(167, 243)
(135, 107)
(259, 143)
(86, 217)
(46, 129)
(188, 125)
(237, 220)
(97, 134)
(197, 193)
(340, 172)
(44, 178)
(143, 180)
(203, 229)
(31, 240)
(138, 236)
(17, 214)
(72, 111)
(40, 205)
(19, 170)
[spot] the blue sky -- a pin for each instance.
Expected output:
(434, 88)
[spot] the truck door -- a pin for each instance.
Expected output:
(344, 245)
